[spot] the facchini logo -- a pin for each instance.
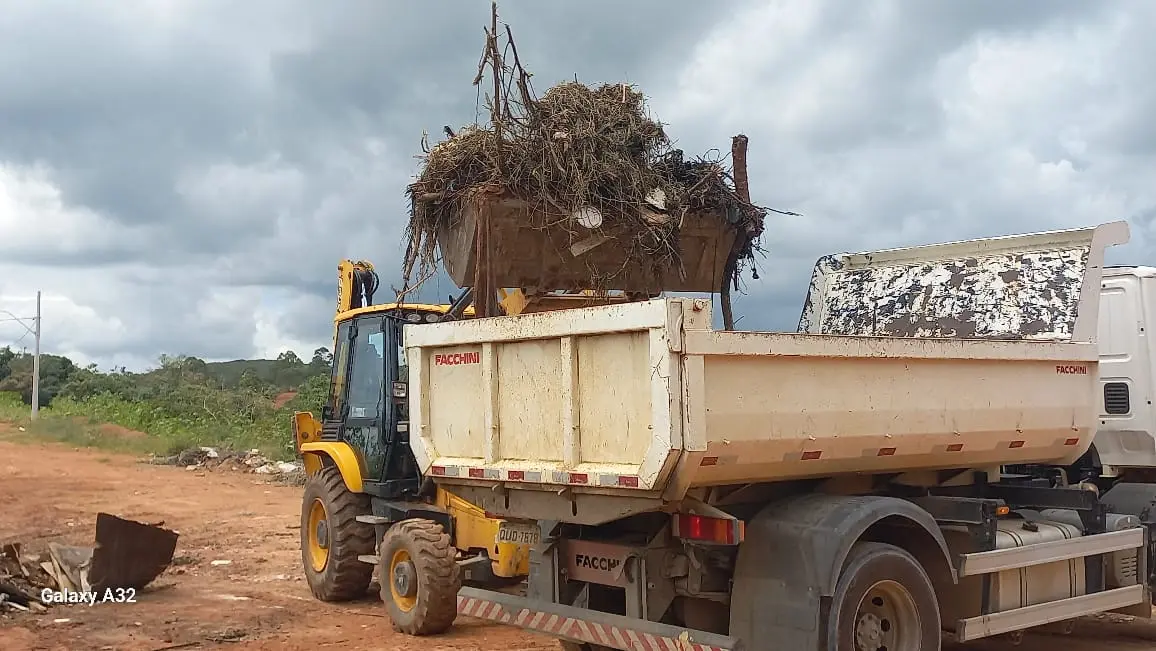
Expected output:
(457, 359)
(1071, 370)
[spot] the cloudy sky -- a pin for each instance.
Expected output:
(182, 176)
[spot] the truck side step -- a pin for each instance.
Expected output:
(1049, 552)
(974, 628)
(582, 625)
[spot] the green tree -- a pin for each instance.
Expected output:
(194, 365)
(250, 381)
(55, 371)
(289, 359)
(6, 357)
(322, 360)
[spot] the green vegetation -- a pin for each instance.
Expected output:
(183, 402)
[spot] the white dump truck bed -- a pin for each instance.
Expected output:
(648, 397)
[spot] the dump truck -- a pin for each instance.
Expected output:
(840, 487)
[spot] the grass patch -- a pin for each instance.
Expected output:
(111, 423)
(77, 433)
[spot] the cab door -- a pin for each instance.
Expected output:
(367, 408)
(400, 478)
(360, 402)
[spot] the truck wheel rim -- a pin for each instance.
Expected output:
(403, 580)
(887, 619)
(318, 528)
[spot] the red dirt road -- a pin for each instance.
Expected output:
(256, 601)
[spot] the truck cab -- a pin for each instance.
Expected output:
(1126, 439)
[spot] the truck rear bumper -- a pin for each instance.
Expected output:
(582, 625)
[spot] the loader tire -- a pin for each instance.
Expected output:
(419, 577)
(332, 538)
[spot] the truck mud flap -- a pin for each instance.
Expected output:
(590, 626)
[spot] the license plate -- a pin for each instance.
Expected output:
(518, 533)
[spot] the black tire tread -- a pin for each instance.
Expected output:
(438, 575)
(861, 552)
(345, 577)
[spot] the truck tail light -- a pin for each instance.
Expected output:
(705, 529)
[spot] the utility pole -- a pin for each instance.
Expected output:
(36, 362)
(34, 330)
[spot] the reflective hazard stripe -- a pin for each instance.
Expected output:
(578, 629)
(536, 477)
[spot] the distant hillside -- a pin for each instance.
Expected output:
(284, 373)
(59, 374)
(230, 372)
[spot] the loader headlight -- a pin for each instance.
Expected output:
(399, 390)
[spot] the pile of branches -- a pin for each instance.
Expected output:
(575, 146)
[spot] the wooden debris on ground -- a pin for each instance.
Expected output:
(127, 554)
(22, 578)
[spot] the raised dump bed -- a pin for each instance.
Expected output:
(647, 400)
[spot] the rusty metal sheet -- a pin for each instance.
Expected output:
(129, 554)
(1019, 287)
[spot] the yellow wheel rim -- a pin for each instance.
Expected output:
(403, 581)
(318, 528)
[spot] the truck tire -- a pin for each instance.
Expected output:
(332, 538)
(883, 601)
(419, 577)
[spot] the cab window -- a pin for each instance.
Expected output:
(367, 375)
(402, 363)
(340, 367)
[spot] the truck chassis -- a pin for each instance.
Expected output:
(639, 585)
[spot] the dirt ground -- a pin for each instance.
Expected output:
(258, 600)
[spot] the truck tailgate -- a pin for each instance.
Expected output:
(586, 397)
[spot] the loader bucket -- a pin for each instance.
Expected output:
(129, 554)
(532, 249)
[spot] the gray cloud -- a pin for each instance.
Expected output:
(184, 176)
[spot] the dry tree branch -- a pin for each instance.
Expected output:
(576, 146)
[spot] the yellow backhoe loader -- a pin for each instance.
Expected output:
(365, 502)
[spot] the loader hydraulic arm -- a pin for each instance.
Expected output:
(356, 284)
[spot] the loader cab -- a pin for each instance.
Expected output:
(367, 406)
